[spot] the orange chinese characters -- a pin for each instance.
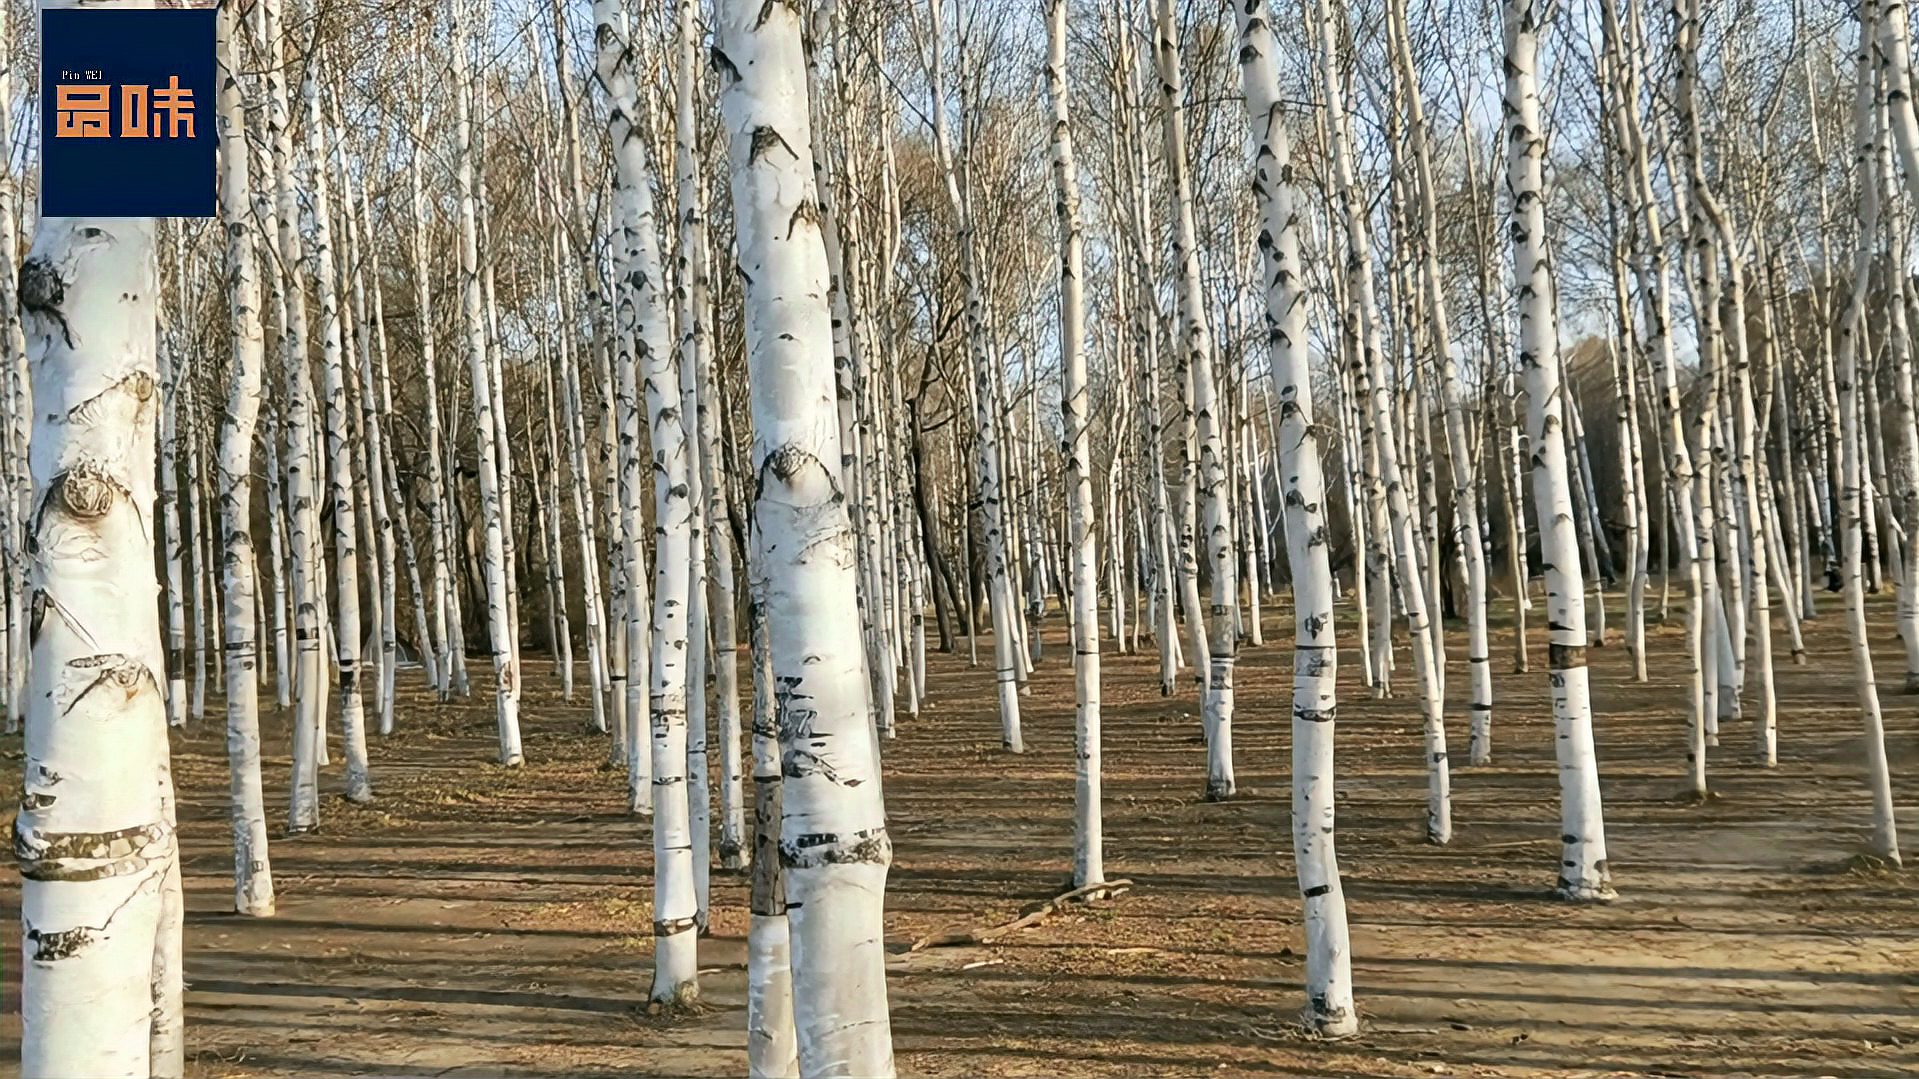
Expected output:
(177, 105)
(82, 112)
(171, 111)
(133, 113)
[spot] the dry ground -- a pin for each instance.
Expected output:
(481, 922)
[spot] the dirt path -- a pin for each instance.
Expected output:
(480, 922)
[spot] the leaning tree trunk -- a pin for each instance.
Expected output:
(1089, 865)
(834, 848)
(95, 836)
(704, 429)
(987, 472)
(1583, 873)
(1329, 982)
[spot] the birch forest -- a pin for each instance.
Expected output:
(830, 538)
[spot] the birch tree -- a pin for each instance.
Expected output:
(1583, 872)
(1391, 520)
(1088, 854)
(99, 899)
(1884, 839)
(1195, 374)
(834, 849)
(1329, 982)
(252, 872)
(500, 627)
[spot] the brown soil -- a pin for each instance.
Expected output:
(483, 922)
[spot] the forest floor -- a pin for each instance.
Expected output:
(475, 921)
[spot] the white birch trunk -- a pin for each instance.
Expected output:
(1006, 661)
(639, 299)
(303, 813)
(1884, 841)
(1089, 864)
(1466, 526)
(1655, 285)
(834, 846)
(1583, 871)
(1210, 485)
(493, 524)
(1329, 984)
(94, 837)
(441, 634)
(172, 543)
(346, 560)
(694, 345)
(252, 872)
(1373, 393)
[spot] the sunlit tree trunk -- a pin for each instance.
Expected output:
(339, 452)
(299, 489)
(94, 837)
(1583, 873)
(441, 638)
(834, 847)
(1373, 392)
(992, 501)
(1329, 983)
(493, 524)
(1655, 286)
(173, 378)
(252, 873)
(1466, 529)
(639, 296)
(1195, 348)
(1884, 841)
(1089, 865)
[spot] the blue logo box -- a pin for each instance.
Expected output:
(127, 112)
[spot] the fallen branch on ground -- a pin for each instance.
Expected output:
(961, 937)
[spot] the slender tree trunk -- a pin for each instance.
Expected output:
(339, 454)
(1655, 286)
(1466, 526)
(1329, 984)
(1583, 873)
(1000, 600)
(1089, 864)
(1373, 391)
(299, 489)
(493, 522)
(442, 634)
(252, 872)
(1866, 116)
(1212, 488)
